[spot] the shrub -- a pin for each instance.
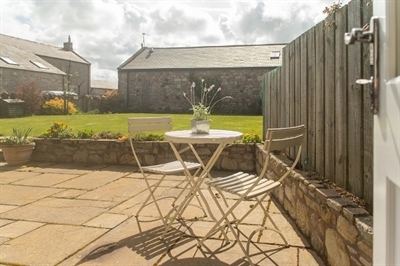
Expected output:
(56, 107)
(148, 137)
(85, 134)
(31, 95)
(107, 135)
(112, 102)
(251, 138)
(59, 130)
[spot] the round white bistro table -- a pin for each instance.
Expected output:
(216, 136)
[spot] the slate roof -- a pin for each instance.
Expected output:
(24, 51)
(103, 84)
(233, 56)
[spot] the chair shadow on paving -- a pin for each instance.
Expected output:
(260, 255)
(148, 245)
(145, 243)
(177, 248)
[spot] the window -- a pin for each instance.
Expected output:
(9, 61)
(275, 55)
(39, 65)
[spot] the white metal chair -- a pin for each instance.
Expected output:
(145, 124)
(249, 186)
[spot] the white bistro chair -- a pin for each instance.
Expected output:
(145, 124)
(250, 186)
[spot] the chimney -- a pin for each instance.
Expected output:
(68, 45)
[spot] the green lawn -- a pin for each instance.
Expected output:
(117, 122)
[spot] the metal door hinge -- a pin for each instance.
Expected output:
(369, 35)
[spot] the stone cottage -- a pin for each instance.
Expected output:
(23, 61)
(153, 79)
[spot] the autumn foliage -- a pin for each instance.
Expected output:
(31, 95)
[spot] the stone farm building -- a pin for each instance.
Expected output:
(23, 61)
(153, 79)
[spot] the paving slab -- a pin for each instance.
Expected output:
(54, 210)
(107, 220)
(18, 228)
(309, 257)
(227, 254)
(6, 208)
(91, 180)
(117, 191)
(3, 222)
(45, 180)
(69, 193)
(133, 242)
(8, 177)
(21, 195)
(73, 169)
(48, 245)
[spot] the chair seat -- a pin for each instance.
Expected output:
(170, 168)
(240, 182)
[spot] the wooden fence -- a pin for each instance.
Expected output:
(316, 86)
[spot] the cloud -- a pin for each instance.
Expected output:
(181, 25)
(107, 32)
(268, 21)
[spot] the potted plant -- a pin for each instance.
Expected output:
(17, 148)
(202, 109)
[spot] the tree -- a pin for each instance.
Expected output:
(31, 94)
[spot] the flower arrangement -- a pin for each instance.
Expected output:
(203, 108)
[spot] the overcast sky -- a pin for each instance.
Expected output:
(107, 32)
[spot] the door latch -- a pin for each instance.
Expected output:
(369, 35)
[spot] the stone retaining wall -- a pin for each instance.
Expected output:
(337, 228)
(237, 157)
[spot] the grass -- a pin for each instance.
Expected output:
(117, 122)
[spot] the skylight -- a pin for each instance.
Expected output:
(275, 55)
(39, 65)
(9, 61)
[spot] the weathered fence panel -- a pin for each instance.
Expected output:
(340, 108)
(304, 88)
(316, 86)
(311, 70)
(319, 98)
(355, 105)
(329, 88)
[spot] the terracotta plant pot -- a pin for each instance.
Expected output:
(17, 155)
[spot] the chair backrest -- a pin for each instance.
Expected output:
(283, 138)
(142, 124)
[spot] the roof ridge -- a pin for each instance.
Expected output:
(215, 46)
(26, 40)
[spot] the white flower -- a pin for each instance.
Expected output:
(202, 109)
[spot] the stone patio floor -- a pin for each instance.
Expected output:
(69, 214)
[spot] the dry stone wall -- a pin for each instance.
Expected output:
(237, 157)
(337, 228)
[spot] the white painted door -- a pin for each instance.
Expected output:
(387, 138)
